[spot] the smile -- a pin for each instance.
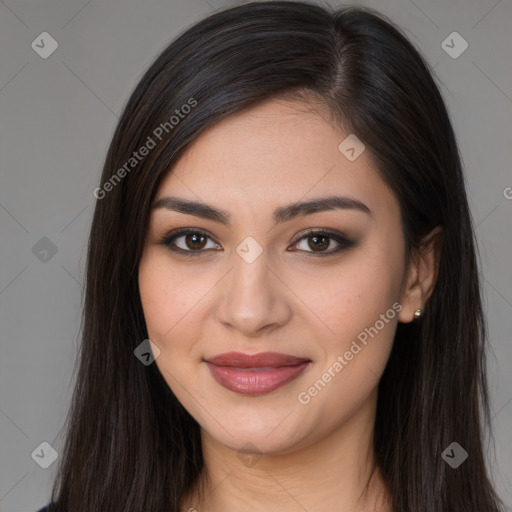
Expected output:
(255, 374)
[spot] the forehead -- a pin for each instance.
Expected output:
(272, 153)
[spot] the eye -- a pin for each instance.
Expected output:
(192, 243)
(319, 241)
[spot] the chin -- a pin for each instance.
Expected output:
(265, 435)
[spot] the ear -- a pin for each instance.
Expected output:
(421, 275)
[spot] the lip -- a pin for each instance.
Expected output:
(255, 374)
(262, 359)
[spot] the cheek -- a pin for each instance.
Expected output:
(168, 297)
(364, 312)
(348, 298)
(364, 319)
(170, 300)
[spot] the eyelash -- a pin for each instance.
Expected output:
(344, 243)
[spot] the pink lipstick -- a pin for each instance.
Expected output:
(255, 374)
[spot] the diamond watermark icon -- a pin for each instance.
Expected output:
(146, 352)
(44, 45)
(249, 250)
(454, 455)
(249, 454)
(44, 455)
(44, 250)
(454, 45)
(351, 147)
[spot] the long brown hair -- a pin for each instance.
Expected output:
(130, 445)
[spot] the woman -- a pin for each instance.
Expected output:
(282, 305)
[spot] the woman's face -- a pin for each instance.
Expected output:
(252, 280)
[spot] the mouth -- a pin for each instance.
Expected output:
(255, 374)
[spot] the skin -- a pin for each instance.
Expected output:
(315, 456)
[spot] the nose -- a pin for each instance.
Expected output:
(254, 298)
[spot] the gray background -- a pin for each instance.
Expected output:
(58, 115)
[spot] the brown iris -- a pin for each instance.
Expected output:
(193, 239)
(315, 238)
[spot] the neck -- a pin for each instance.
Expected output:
(336, 472)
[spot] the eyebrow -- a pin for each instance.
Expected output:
(281, 214)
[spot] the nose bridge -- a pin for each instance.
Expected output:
(250, 280)
(252, 298)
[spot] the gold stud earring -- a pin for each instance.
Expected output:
(418, 313)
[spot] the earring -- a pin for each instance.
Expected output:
(418, 313)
